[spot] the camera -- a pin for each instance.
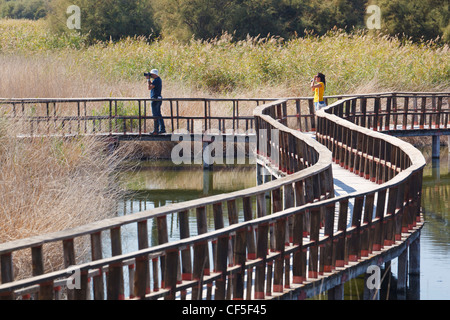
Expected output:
(147, 74)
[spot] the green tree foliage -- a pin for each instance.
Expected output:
(418, 19)
(107, 19)
(207, 19)
(322, 16)
(23, 9)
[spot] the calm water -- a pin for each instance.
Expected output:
(435, 239)
(157, 183)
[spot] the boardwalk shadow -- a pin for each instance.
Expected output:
(339, 185)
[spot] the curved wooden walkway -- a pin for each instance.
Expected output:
(334, 207)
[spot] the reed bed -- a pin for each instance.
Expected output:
(52, 184)
(270, 66)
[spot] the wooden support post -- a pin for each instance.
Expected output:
(186, 264)
(341, 258)
(436, 147)
(388, 232)
(96, 254)
(115, 289)
(201, 255)
(280, 236)
(170, 273)
(313, 271)
(163, 237)
(142, 273)
(378, 233)
(355, 244)
(414, 257)
(336, 293)
(37, 260)
(7, 273)
(69, 260)
(239, 260)
(366, 233)
(402, 271)
(261, 247)
(221, 253)
(328, 251)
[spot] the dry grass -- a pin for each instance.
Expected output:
(53, 184)
(49, 185)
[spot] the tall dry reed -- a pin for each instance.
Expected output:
(52, 184)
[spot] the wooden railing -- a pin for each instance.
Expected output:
(122, 116)
(133, 116)
(175, 267)
(398, 111)
(284, 247)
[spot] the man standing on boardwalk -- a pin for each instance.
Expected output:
(155, 88)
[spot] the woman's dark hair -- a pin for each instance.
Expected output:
(322, 78)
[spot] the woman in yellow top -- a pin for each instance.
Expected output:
(318, 84)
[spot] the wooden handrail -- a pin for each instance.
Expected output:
(301, 220)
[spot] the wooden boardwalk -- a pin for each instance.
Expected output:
(309, 230)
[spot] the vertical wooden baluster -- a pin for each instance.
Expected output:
(163, 237)
(37, 260)
(221, 253)
(299, 257)
(363, 103)
(311, 113)
(394, 109)
(201, 255)
(239, 259)
(7, 273)
(354, 248)
(289, 202)
(329, 232)
(186, 260)
(377, 112)
(96, 254)
(251, 245)
(408, 203)
(299, 114)
(405, 113)
(280, 238)
(239, 252)
(379, 226)
(433, 114)
(313, 271)
(366, 233)
(115, 289)
(399, 211)
(387, 123)
(131, 276)
(341, 258)
(69, 260)
(232, 219)
(170, 273)
(261, 247)
(439, 112)
(142, 273)
(389, 218)
(422, 115)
